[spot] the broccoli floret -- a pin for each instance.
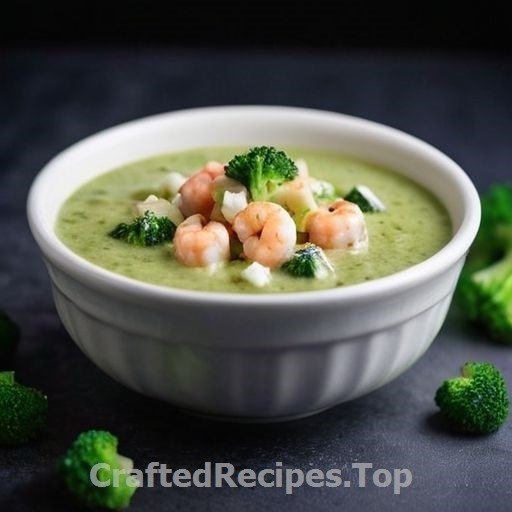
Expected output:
(23, 411)
(364, 197)
(262, 169)
(98, 447)
(477, 402)
(485, 286)
(148, 230)
(310, 261)
(9, 339)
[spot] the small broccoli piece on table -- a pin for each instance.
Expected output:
(310, 261)
(485, 286)
(365, 198)
(147, 230)
(490, 293)
(262, 170)
(477, 402)
(23, 411)
(98, 447)
(9, 340)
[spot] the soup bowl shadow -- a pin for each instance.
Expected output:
(261, 357)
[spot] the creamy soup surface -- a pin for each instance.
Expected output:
(413, 227)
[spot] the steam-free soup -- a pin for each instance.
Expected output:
(413, 227)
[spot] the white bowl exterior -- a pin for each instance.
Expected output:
(158, 353)
(280, 355)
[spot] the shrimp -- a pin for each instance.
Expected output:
(198, 243)
(196, 192)
(267, 232)
(339, 226)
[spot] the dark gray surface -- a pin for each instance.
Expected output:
(52, 98)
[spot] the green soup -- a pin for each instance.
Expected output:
(413, 227)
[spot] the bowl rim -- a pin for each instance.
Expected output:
(130, 289)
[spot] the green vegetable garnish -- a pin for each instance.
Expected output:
(262, 170)
(310, 261)
(91, 448)
(477, 402)
(147, 230)
(485, 285)
(23, 411)
(365, 199)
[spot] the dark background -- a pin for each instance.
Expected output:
(66, 73)
(333, 25)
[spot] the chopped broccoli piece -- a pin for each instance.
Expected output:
(310, 261)
(23, 411)
(98, 447)
(148, 230)
(485, 286)
(365, 199)
(323, 190)
(262, 170)
(477, 402)
(9, 339)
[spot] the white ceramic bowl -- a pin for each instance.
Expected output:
(255, 357)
